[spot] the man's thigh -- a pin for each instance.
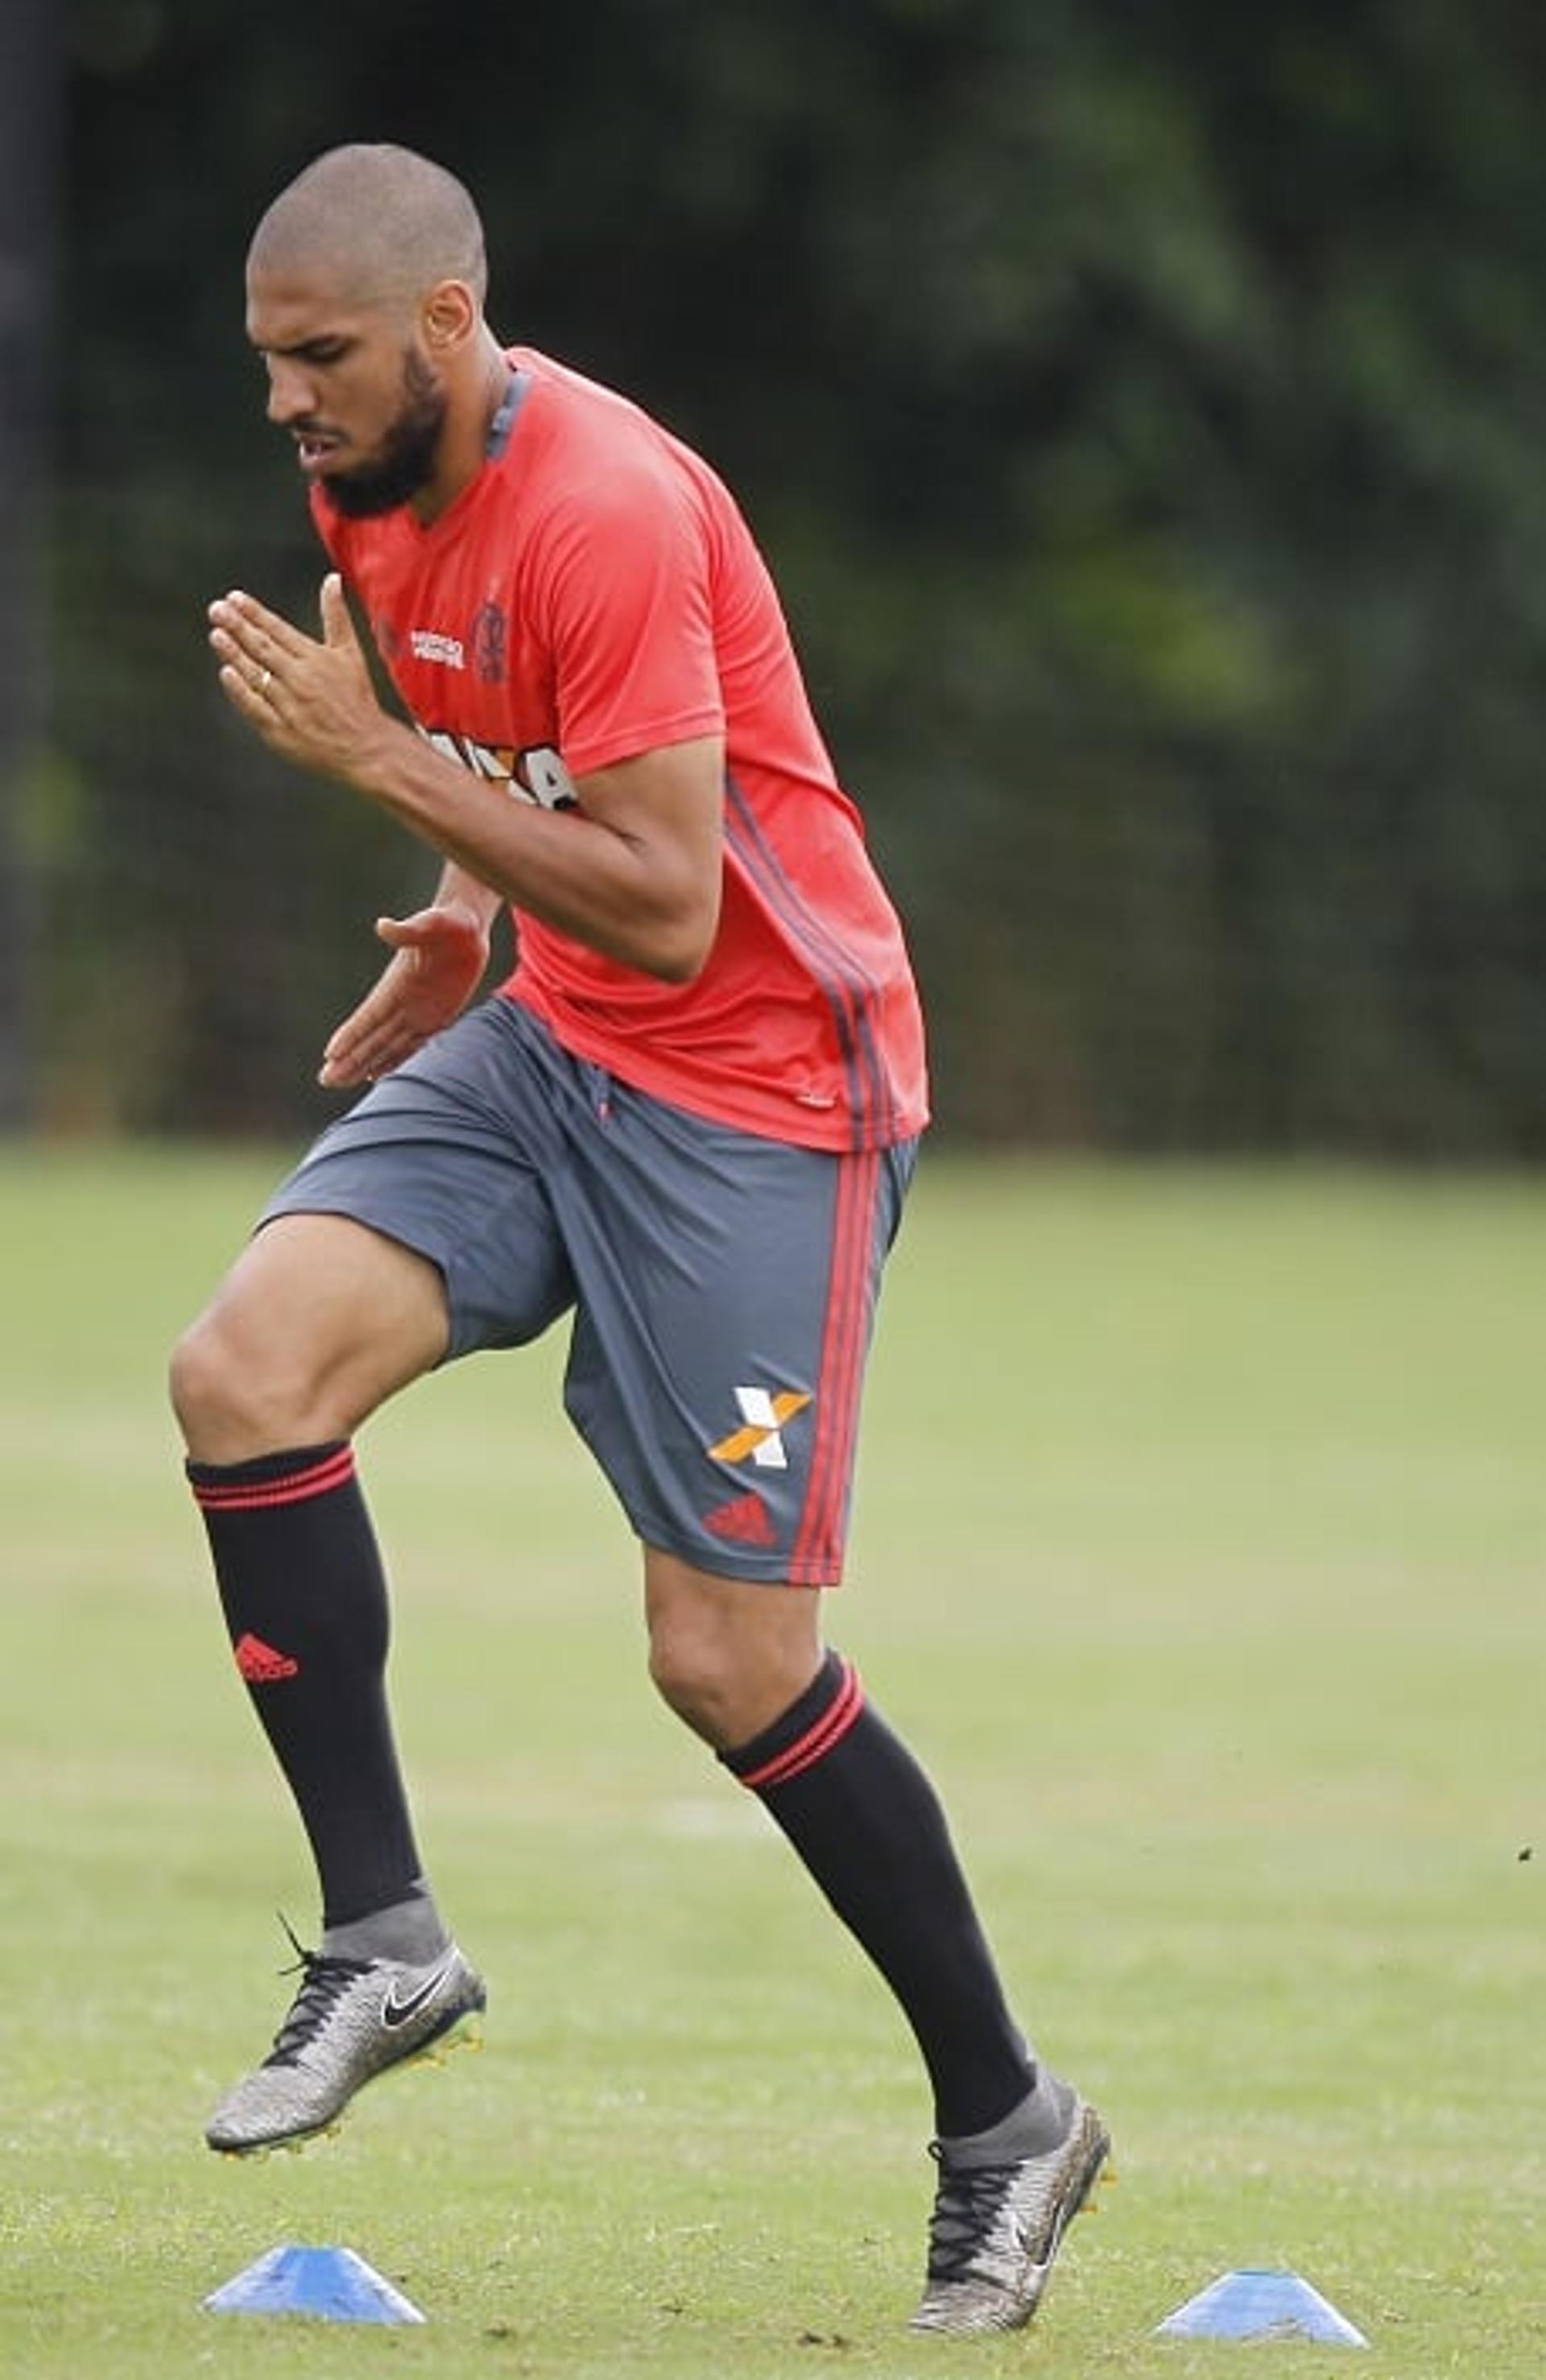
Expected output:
(449, 1156)
(727, 1295)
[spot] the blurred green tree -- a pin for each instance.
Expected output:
(27, 122)
(1139, 409)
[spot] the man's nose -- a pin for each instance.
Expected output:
(291, 394)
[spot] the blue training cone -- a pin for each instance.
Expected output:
(333, 2284)
(1260, 2305)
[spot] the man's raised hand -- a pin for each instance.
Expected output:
(310, 699)
(439, 958)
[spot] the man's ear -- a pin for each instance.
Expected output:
(449, 316)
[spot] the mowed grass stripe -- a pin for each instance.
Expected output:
(1199, 1550)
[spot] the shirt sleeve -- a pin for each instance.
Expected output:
(624, 579)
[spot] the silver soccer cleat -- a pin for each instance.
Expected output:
(350, 2020)
(995, 2231)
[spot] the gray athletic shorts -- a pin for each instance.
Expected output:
(722, 1286)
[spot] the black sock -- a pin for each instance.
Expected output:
(305, 1603)
(868, 1825)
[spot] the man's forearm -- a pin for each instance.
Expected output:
(634, 878)
(633, 870)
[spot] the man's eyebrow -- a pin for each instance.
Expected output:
(311, 350)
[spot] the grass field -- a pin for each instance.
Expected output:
(1200, 1553)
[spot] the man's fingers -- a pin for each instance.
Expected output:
(363, 1058)
(257, 649)
(243, 668)
(245, 693)
(373, 1027)
(338, 628)
(251, 622)
(351, 1040)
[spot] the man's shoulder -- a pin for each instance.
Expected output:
(574, 400)
(584, 435)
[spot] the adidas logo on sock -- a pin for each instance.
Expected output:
(260, 1664)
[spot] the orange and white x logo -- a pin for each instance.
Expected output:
(765, 1412)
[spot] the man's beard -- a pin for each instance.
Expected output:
(406, 460)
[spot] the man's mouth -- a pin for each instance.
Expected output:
(314, 447)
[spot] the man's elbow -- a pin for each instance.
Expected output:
(682, 944)
(680, 958)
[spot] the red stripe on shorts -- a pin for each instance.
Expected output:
(816, 1556)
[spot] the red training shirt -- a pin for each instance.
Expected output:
(593, 593)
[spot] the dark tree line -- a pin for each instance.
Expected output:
(29, 83)
(1143, 409)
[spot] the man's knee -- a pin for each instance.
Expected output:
(729, 1658)
(694, 1676)
(318, 1321)
(226, 1392)
(196, 1374)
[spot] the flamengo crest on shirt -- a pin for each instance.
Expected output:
(763, 1411)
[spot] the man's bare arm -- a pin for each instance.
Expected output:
(633, 872)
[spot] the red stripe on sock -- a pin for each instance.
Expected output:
(817, 1741)
(255, 1495)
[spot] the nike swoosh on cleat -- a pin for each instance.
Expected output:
(395, 2011)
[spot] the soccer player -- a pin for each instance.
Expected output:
(688, 1121)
